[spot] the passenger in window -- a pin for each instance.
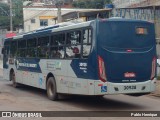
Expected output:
(73, 51)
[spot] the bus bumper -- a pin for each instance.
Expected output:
(125, 88)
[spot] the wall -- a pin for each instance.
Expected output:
(36, 13)
(134, 3)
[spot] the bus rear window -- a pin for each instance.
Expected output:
(126, 34)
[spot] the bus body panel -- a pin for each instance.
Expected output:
(126, 52)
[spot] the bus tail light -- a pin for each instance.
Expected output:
(153, 68)
(102, 72)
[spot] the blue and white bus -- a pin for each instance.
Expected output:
(99, 57)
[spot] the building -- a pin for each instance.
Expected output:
(134, 3)
(40, 16)
(4, 1)
(148, 10)
(53, 2)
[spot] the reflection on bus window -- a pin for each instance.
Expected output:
(58, 39)
(73, 49)
(21, 48)
(86, 42)
(43, 47)
(31, 52)
(43, 52)
(13, 49)
(57, 52)
(74, 38)
(43, 41)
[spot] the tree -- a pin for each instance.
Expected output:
(4, 15)
(17, 13)
(97, 4)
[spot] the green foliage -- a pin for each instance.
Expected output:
(4, 22)
(97, 4)
(4, 9)
(4, 15)
(17, 13)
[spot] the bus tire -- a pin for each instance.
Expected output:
(13, 79)
(52, 89)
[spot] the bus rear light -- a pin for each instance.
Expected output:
(153, 68)
(102, 72)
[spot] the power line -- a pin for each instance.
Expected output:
(11, 19)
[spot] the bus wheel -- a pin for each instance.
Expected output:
(51, 89)
(13, 79)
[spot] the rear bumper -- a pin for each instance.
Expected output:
(125, 88)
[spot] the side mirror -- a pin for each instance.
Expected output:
(2, 52)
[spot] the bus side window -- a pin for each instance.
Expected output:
(6, 47)
(43, 47)
(57, 49)
(73, 44)
(13, 49)
(87, 36)
(31, 47)
(21, 48)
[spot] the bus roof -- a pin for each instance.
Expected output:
(53, 28)
(69, 26)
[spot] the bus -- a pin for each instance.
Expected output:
(94, 58)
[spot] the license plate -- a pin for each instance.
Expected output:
(133, 87)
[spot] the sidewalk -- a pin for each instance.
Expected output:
(157, 92)
(1, 64)
(1, 68)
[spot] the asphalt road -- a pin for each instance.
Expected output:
(25, 98)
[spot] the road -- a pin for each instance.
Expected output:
(25, 98)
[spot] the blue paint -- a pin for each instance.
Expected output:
(28, 64)
(103, 89)
(113, 49)
(40, 81)
(83, 68)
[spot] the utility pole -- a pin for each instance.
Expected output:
(59, 4)
(11, 21)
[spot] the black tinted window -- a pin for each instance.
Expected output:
(58, 39)
(32, 42)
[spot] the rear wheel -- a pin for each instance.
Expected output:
(13, 79)
(52, 89)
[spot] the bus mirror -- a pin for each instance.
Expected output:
(2, 52)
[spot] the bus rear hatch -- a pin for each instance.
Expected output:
(128, 50)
